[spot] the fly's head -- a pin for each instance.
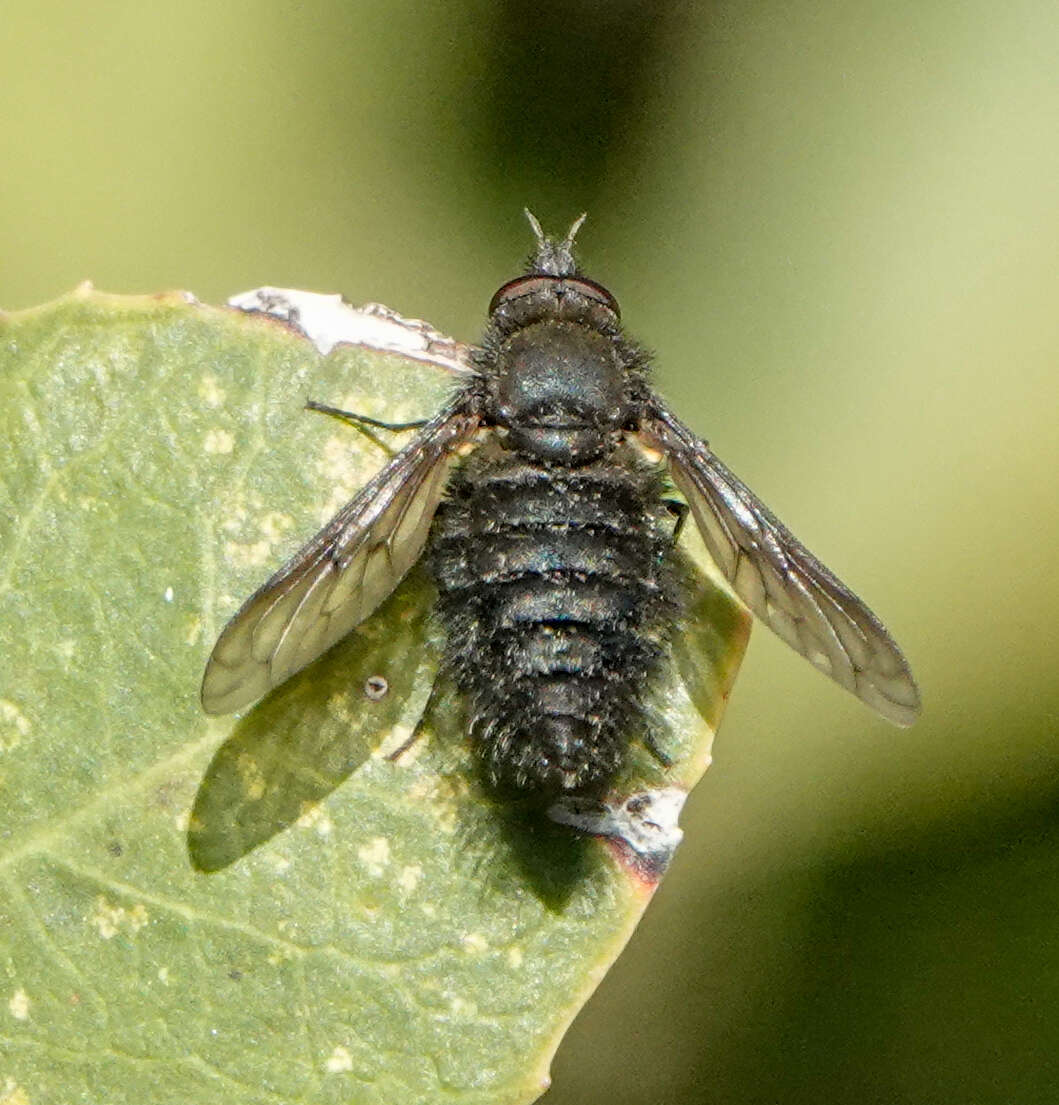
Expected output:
(552, 258)
(553, 288)
(559, 371)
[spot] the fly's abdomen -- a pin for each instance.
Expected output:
(557, 587)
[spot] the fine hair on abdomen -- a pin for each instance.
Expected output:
(558, 585)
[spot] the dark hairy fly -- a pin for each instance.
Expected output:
(554, 554)
(539, 495)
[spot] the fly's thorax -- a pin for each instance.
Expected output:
(560, 391)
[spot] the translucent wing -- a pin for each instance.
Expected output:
(781, 581)
(337, 579)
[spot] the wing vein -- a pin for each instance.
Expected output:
(781, 581)
(342, 574)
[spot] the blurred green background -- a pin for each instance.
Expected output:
(838, 226)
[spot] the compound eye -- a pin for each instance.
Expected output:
(519, 288)
(524, 286)
(596, 292)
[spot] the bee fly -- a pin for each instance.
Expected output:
(553, 546)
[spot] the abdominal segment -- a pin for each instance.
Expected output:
(558, 589)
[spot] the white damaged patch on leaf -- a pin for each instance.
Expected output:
(328, 320)
(643, 826)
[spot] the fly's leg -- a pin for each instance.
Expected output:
(360, 420)
(679, 510)
(363, 424)
(394, 755)
(656, 750)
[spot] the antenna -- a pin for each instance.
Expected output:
(575, 226)
(535, 226)
(552, 258)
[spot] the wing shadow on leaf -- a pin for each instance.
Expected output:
(310, 734)
(709, 648)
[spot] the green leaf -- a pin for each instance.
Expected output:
(267, 909)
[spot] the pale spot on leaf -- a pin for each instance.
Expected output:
(314, 816)
(251, 777)
(19, 1005)
(13, 1094)
(14, 725)
(272, 525)
(210, 391)
(339, 1061)
(338, 470)
(275, 524)
(248, 555)
(336, 463)
(462, 1008)
(409, 877)
(218, 442)
(110, 919)
(375, 855)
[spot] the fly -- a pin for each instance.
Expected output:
(539, 497)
